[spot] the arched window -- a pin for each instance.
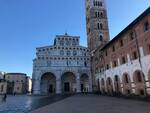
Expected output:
(67, 43)
(74, 43)
(126, 78)
(68, 53)
(100, 26)
(96, 3)
(55, 42)
(85, 64)
(61, 43)
(100, 38)
(61, 52)
(96, 14)
(116, 78)
(109, 81)
(102, 15)
(139, 78)
(103, 82)
(74, 53)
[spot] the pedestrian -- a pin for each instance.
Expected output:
(14, 93)
(5, 97)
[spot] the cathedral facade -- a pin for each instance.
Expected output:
(63, 67)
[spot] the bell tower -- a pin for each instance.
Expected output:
(96, 23)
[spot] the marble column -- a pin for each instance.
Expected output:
(36, 82)
(58, 86)
(90, 83)
(36, 87)
(78, 84)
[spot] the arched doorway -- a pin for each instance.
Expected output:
(126, 84)
(68, 82)
(139, 80)
(103, 86)
(84, 81)
(109, 86)
(48, 83)
(117, 84)
(98, 85)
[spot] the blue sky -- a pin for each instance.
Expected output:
(27, 24)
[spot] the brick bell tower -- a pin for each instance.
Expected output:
(96, 23)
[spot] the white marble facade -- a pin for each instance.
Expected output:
(63, 67)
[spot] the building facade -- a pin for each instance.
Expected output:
(63, 67)
(123, 64)
(13, 83)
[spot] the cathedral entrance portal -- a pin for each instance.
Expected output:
(48, 83)
(84, 79)
(68, 82)
(66, 87)
(51, 88)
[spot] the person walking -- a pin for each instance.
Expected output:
(14, 93)
(5, 97)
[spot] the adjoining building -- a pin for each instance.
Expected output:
(62, 68)
(123, 64)
(14, 83)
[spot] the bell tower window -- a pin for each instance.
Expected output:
(100, 38)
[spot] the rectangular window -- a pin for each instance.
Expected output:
(89, 30)
(148, 48)
(134, 56)
(115, 64)
(107, 66)
(121, 43)
(95, 14)
(132, 35)
(106, 53)
(113, 48)
(123, 60)
(146, 26)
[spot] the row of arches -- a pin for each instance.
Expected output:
(124, 84)
(68, 83)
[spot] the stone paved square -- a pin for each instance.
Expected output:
(24, 103)
(95, 104)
